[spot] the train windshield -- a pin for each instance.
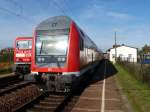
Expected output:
(51, 45)
(24, 44)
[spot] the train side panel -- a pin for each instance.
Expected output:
(73, 61)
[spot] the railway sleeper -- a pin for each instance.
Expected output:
(48, 104)
(53, 100)
(39, 108)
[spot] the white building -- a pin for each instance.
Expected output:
(124, 53)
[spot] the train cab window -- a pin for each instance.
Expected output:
(30, 44)
(24, 44)
(81, 44)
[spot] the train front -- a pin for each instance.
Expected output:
(22, 54)
(53, 54)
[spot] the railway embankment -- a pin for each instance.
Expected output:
(137, 92)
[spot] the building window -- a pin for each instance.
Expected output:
(120, 55)
(129, 55)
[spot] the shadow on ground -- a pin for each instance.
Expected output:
(105, 69)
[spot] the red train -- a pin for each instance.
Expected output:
(22, 55)
(62, 52)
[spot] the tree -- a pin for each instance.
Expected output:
(145, 49)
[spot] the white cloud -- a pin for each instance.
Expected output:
(92, 11)
(119, 15)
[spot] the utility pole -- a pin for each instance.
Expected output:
(115, 48)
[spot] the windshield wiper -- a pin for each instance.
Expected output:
(41, 47)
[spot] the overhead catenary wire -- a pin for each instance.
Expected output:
(59, 7)
(17, 5)
(19, 15)
(16, 14)
(67, 5)
(69, 9)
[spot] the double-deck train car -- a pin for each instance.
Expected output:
(61, 53)
(22, 55)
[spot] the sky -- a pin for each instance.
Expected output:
(99, 19)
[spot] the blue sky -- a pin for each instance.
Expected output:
(98, 18)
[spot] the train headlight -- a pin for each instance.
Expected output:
(62, 59)
(59, 59)
(39, 59)
(43, 59)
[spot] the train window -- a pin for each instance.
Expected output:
(81, 44)
(51, 45)
(24, 44)
(82, 32)
(30, 44)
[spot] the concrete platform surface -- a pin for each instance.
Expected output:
(103, 94)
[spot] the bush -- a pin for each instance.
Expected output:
(7, 57)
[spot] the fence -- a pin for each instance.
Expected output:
(138, 70)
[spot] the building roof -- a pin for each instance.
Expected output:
(121, 46)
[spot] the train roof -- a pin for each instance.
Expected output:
(23, 38)
(57, 22)
(60, 25)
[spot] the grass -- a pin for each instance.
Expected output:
(137, 92)
(5, 68)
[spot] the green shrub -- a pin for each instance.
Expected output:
(7, 57)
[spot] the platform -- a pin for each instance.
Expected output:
(102, 95)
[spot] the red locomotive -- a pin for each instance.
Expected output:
(62, 52)
(22, 55)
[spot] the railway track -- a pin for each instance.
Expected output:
(16, 97)
(50, 102)
(15, 94)
(27, 97)
(14, 87)
(55, 102)
(9, 79)
(10, 83)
